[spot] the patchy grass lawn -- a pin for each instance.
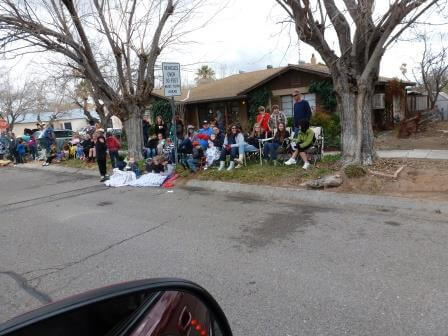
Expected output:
(78, 164)
(280, 176)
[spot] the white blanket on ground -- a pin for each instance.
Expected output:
(127, 178)
(149, 180)
(121, 178)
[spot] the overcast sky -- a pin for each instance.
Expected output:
(246, 36)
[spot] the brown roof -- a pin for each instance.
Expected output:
(237, 86)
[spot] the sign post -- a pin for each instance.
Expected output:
(172, 88)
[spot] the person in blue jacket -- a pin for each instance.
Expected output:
(302, 109)
(21, 150)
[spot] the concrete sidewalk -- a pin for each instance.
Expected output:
(414, 154)
(431, 154)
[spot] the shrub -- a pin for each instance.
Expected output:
(354, 171)
(332, 127)
(258, 97)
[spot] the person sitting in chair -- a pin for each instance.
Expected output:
(280, 140)
(304, 141)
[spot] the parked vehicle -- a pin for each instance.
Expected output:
(159, 307)
(63, 137)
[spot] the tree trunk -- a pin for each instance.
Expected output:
(134, 131)
(355, 107)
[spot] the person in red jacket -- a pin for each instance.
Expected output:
(113, 146)
(263, 119)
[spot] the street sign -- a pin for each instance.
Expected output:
(171, 79)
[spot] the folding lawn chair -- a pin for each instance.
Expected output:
(316, 151)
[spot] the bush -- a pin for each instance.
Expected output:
(354, 171)
(259, 97)
(331, 125)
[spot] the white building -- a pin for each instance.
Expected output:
(73, 120)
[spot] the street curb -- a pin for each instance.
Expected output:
(58, 169)
(323, 197)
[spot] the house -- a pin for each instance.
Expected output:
(417, 102)
(229, 98)
(72, 119)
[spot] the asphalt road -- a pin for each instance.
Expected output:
(276, 268)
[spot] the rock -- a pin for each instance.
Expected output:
(330, 181)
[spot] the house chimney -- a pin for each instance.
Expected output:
(313, 60)
(269, 67)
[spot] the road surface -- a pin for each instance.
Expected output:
(276, 268)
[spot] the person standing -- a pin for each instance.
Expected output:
(276, 118)
(179, 128)
(160, 127)
(263, 119)
(302, 110)
(21, 150)
(32, 145)
(113, 145)
(48, 138)
(101, 154)
(146, 126)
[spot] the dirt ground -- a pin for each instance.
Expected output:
(431, 138)
(424, 179)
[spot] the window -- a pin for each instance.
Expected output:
(68, 125)
(378, 101)
(287, 103)
(311, 99)
(421, 103)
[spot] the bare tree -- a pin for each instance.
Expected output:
(433, 66)
(364, 30)
(108, 42)
(18, 99)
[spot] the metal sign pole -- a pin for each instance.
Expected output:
(172, 87)
(173, 111)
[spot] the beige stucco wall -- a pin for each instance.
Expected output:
(77, 124)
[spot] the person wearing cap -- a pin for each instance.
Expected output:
(263, 119)
(302, 109)
(206, 129)
(204, 134)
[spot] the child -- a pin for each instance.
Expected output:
(132, 166)
(121, 164)
(212, 152)
(195, 159)
(21, 150)
(80, 151)
(168, 150)
(51, 156)
(151, 150)
(156, 165)
(160, 143)
(113, 146)
(32, 145)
